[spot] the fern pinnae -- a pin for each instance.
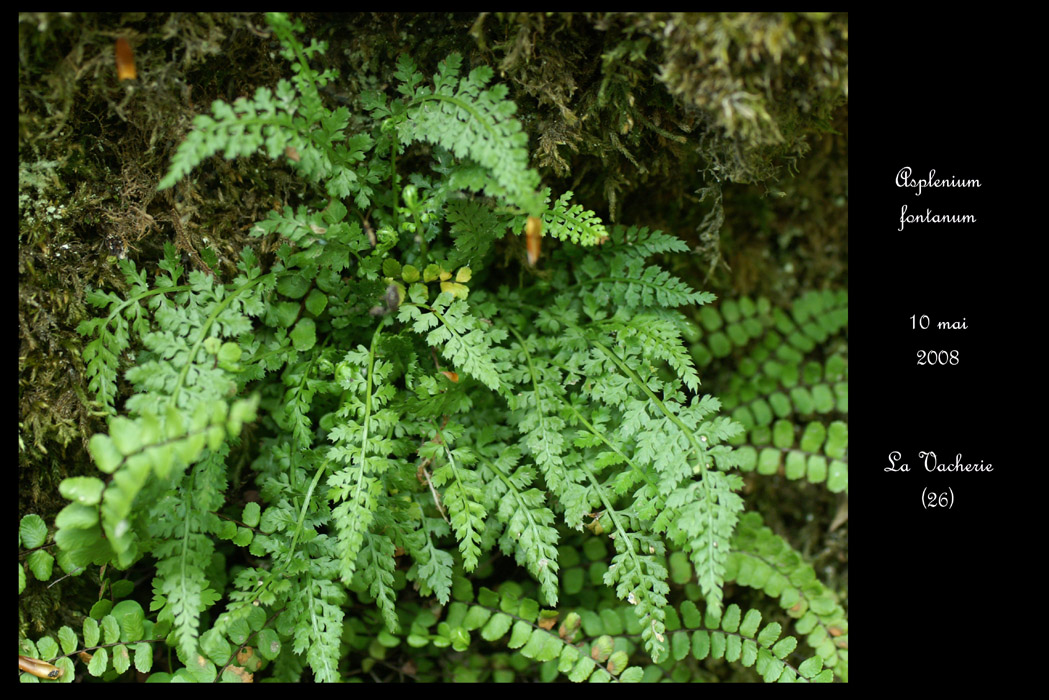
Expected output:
(379, 551)
(643, 583)
(307, 501)
(323, 669)
(660, 338)
(572, 223)
(461, 336)
(535, 541)
(603, 437)
(102, 355)
(484, 129)
(698, 450)
(462, 496)
(546, 440)
(433, 565)
(712, 499)
(235, 323)
(294, 51)
(184, 602)
(318, 631)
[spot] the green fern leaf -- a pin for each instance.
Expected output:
(473, 122)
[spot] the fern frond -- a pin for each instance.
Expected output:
(572, 222)
(377, 576)
(660, 340)
(626, 282)
(761, 559)
(461, 336)
(535, 409)
(473, 122)
(135, 451)
(636, 571)
(706, 515)
(318, 614)
(419, 417)
(360, 445)
(528, 522)
(463, 491)
(433, 565)
(182, 594)
(735, 637)
(102, 355)
(532, 632)
(262, 123)
(475, 227)
(287, 122)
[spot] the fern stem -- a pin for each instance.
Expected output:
(302, 514)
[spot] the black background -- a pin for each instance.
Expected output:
(954, 95)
